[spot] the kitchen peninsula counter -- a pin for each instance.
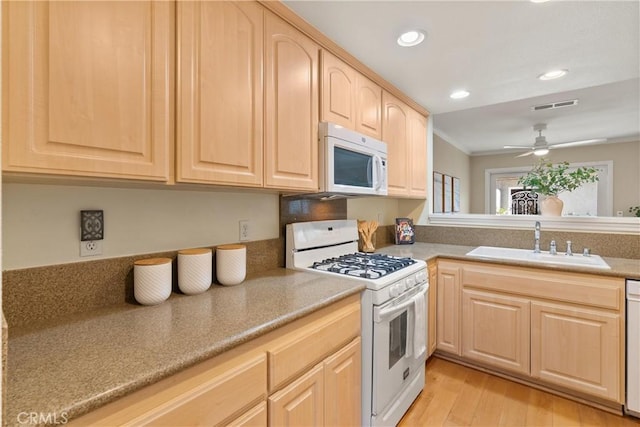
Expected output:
(76, 364)
(620, 267)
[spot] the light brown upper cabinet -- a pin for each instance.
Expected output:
(405, 132)
(220, 93)
(87, 88)
(350, 99)
(417, 155)
(291, 107)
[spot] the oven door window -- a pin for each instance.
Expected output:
(397, 338)
(352, 168)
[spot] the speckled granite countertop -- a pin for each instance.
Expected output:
(620, 267)
(79, 363)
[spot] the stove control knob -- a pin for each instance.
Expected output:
(411, 282)
(421, 277)
(393, 291)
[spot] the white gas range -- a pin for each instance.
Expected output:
(394, 312)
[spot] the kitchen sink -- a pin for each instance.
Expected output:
(544, 257)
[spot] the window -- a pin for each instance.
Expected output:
(591, 199)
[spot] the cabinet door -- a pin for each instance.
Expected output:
(395, 131)
(301, 403)
(254, 417)
(433, 295)
(219, 115)
(338, 91)
(448, 310)
(368, 107)
(417, 155)
(577, 348)
(291, 128)
(342, 391)
(495, 330)
(88, 88)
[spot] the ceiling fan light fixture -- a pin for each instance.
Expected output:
(411, 38)
(459, 94)
(541, 151)
(553, 74)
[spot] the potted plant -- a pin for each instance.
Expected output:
(549, 180)
(635, 210)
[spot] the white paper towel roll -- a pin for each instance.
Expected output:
(231, 264)
(194, 270)
(152, 280)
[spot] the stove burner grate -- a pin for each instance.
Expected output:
(368, 266)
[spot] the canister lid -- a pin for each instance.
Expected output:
(153, 261)
(229, 247)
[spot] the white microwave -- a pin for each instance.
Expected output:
(351, 164)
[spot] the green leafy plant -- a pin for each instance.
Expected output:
(549, 179)
(635, 210)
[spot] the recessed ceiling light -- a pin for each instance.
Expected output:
(411, 38)
(554, 74)
(459, 94)
(538, 1)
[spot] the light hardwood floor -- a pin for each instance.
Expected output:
(459, 396)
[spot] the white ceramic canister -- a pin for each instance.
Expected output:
(194, 270)
(231, 264)
(152, 280)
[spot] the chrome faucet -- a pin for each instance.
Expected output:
(569, 252)
(552, 248)
(536, 235)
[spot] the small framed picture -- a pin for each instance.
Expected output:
(448, 196)
(405, 233)
(437, 192)
(456, 194)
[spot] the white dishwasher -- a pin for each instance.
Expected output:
(633, 347)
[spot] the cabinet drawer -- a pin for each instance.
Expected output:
(312, 343)
(215, 400)
(577, 288)
(201, 395)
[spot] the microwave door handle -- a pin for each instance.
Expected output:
(378, 173)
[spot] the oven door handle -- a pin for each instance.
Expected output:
(383, 313)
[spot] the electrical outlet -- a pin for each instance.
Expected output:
(244, 230)
(91, 248)
(380, 218)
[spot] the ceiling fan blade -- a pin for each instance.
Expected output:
(528, 153)
(576, 143)
(524, 147)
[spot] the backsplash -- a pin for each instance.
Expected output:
(40, 294)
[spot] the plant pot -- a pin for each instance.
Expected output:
(551, 206)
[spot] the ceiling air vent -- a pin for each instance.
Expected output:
(555, 105)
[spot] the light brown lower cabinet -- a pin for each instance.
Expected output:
(329, 394)
(256, 416)
(495, 330)
(432, 303)
(448, 307)
(236, 389)
(301, 403)
(577, 348)
(564, 330)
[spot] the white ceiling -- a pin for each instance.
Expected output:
(496, 50)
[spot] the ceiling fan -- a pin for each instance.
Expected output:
(541, 147)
